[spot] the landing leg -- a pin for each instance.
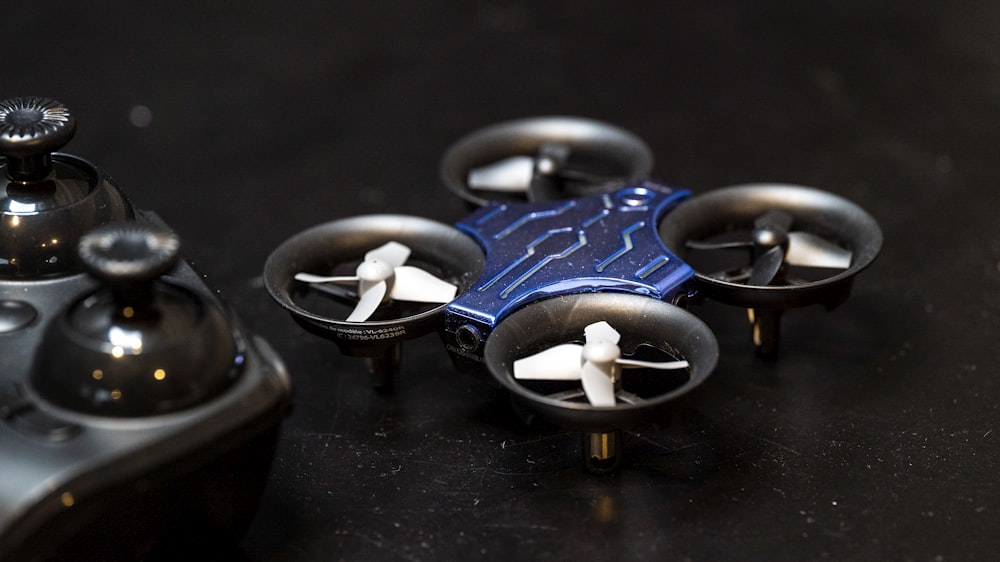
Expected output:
(383, 367)
(766, 331)
(602, 451)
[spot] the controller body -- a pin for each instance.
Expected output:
(84, 480)
(120, 486)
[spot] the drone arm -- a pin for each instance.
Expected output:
(310, 278)
(636, 364)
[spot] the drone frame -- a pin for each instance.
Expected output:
(490, 339)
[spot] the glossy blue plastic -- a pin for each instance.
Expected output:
(534, 251)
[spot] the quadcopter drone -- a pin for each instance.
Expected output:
(568, 282)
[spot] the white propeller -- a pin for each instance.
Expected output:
(517, 173)
(803, 249)
(597, 364)
(509, 174)
(808, 250)
(383, 276)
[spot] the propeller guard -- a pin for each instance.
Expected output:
(812, 210)
(640, 320)
(323, 247)
(624, 157)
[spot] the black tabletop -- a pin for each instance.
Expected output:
(873, 437)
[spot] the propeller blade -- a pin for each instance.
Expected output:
(369, 302)
(775, 219)
(392, 253)
(509, 174)
(416, 285)
(310, 278)
(636, 364)
(597, 385)
(559, 363)
(602, 331)
(765, 267)
(808, 250)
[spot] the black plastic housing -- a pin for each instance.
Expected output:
(82, 485)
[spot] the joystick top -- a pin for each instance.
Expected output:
(30, 130)
(47, 198)
(142, 344)
(129, 257)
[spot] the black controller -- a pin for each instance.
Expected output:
(136, 415)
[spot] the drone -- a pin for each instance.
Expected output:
(569, 281)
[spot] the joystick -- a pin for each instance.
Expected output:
(33, 128)
(47, 199)
(138, 346)
(137, 417)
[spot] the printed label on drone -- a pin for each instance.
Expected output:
(371, 334)
(464, 353)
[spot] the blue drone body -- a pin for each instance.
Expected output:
(534, 251)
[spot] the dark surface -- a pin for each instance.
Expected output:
(875, 435)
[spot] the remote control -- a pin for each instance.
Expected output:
(136, 415)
